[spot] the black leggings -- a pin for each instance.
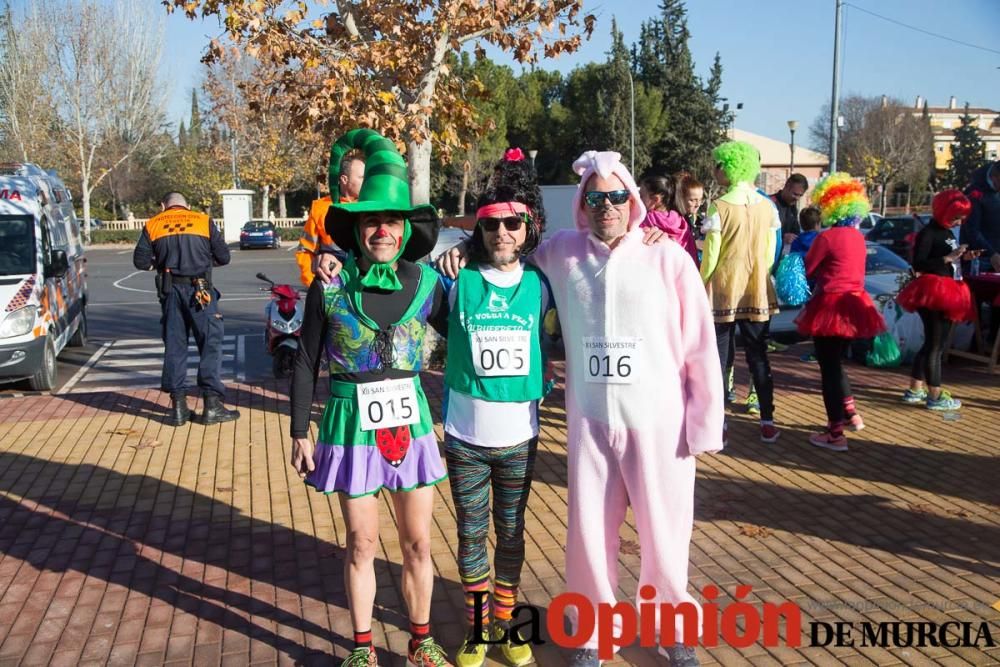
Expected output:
(836, 385)
(927, 363)
(755, 336)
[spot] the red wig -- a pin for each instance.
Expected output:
(950, 205)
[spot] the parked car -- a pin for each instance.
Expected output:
(868, 222)
(884, 271)
(898, 233)
(259, 234)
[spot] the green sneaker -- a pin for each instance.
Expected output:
(514, 653)
(775, 347)
(943, 403)
(472, 653)
(428, 653)
(363, 656)
(752, 403)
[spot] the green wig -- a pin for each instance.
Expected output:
(738, 160)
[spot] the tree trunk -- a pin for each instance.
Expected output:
(881, 207)
(464, 190)
(265, 203)
(282, 211)
(85, 198)
(420, 172)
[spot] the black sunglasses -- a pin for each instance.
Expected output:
(511, 224)
(595, 198)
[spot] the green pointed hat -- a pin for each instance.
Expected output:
(386, 188)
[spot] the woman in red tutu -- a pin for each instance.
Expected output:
(840, 309)
(937, 296)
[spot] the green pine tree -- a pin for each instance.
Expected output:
(968, 152)
(194, 127)
(182, 135)
(693, 122)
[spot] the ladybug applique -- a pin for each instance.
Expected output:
(393, 444)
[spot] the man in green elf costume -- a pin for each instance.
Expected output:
(376, 432)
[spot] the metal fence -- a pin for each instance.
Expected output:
(139, 223)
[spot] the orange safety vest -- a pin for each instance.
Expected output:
(314, 237)
(176, 221)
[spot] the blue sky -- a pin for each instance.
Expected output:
(777, 55)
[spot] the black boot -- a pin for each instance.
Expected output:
(179, 411)
(216, 412)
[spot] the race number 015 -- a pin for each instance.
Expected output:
(376, 411)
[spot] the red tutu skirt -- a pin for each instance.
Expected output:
(841, 314)
(940, 293)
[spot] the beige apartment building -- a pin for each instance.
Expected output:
(944, 121)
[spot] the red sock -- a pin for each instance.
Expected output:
(362, 638)
(419, 632)
(837, 429)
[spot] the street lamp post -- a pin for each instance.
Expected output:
(532, 154)
(792, 125)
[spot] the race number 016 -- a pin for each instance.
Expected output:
(600, 366)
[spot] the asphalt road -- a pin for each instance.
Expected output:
(124, 349)
(123, 306)
(123, 301)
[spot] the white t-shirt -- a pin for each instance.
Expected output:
(491, 423)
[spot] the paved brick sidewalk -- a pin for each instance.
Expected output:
(124, 541)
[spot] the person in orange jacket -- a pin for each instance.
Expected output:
(315, 241)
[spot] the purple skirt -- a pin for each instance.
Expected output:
(359, 470)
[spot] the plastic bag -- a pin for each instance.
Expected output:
(908, 330)
(790, 280)
(884, 353)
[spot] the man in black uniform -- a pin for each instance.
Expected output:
(183, 246)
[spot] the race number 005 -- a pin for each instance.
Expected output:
(501, 353)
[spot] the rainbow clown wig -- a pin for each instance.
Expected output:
(738, 160)
(841, 200)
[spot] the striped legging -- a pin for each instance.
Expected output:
(472, 472)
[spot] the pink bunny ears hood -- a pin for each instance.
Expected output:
(605, 164)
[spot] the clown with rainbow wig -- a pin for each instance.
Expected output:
(840, 309)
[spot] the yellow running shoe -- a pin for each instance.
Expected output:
(472, 653)
(515, 653)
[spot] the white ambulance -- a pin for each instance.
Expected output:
(43, 277)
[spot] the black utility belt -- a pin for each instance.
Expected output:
(177, 276)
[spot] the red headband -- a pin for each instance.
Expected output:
(502, 210)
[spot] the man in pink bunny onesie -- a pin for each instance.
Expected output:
(642, 390)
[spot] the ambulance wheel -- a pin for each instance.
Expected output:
(79, 338)
(45, 378)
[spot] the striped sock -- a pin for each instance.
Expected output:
(849, 409)
(419, 632)
(471, 588)
(504, 599)
(362, 638)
